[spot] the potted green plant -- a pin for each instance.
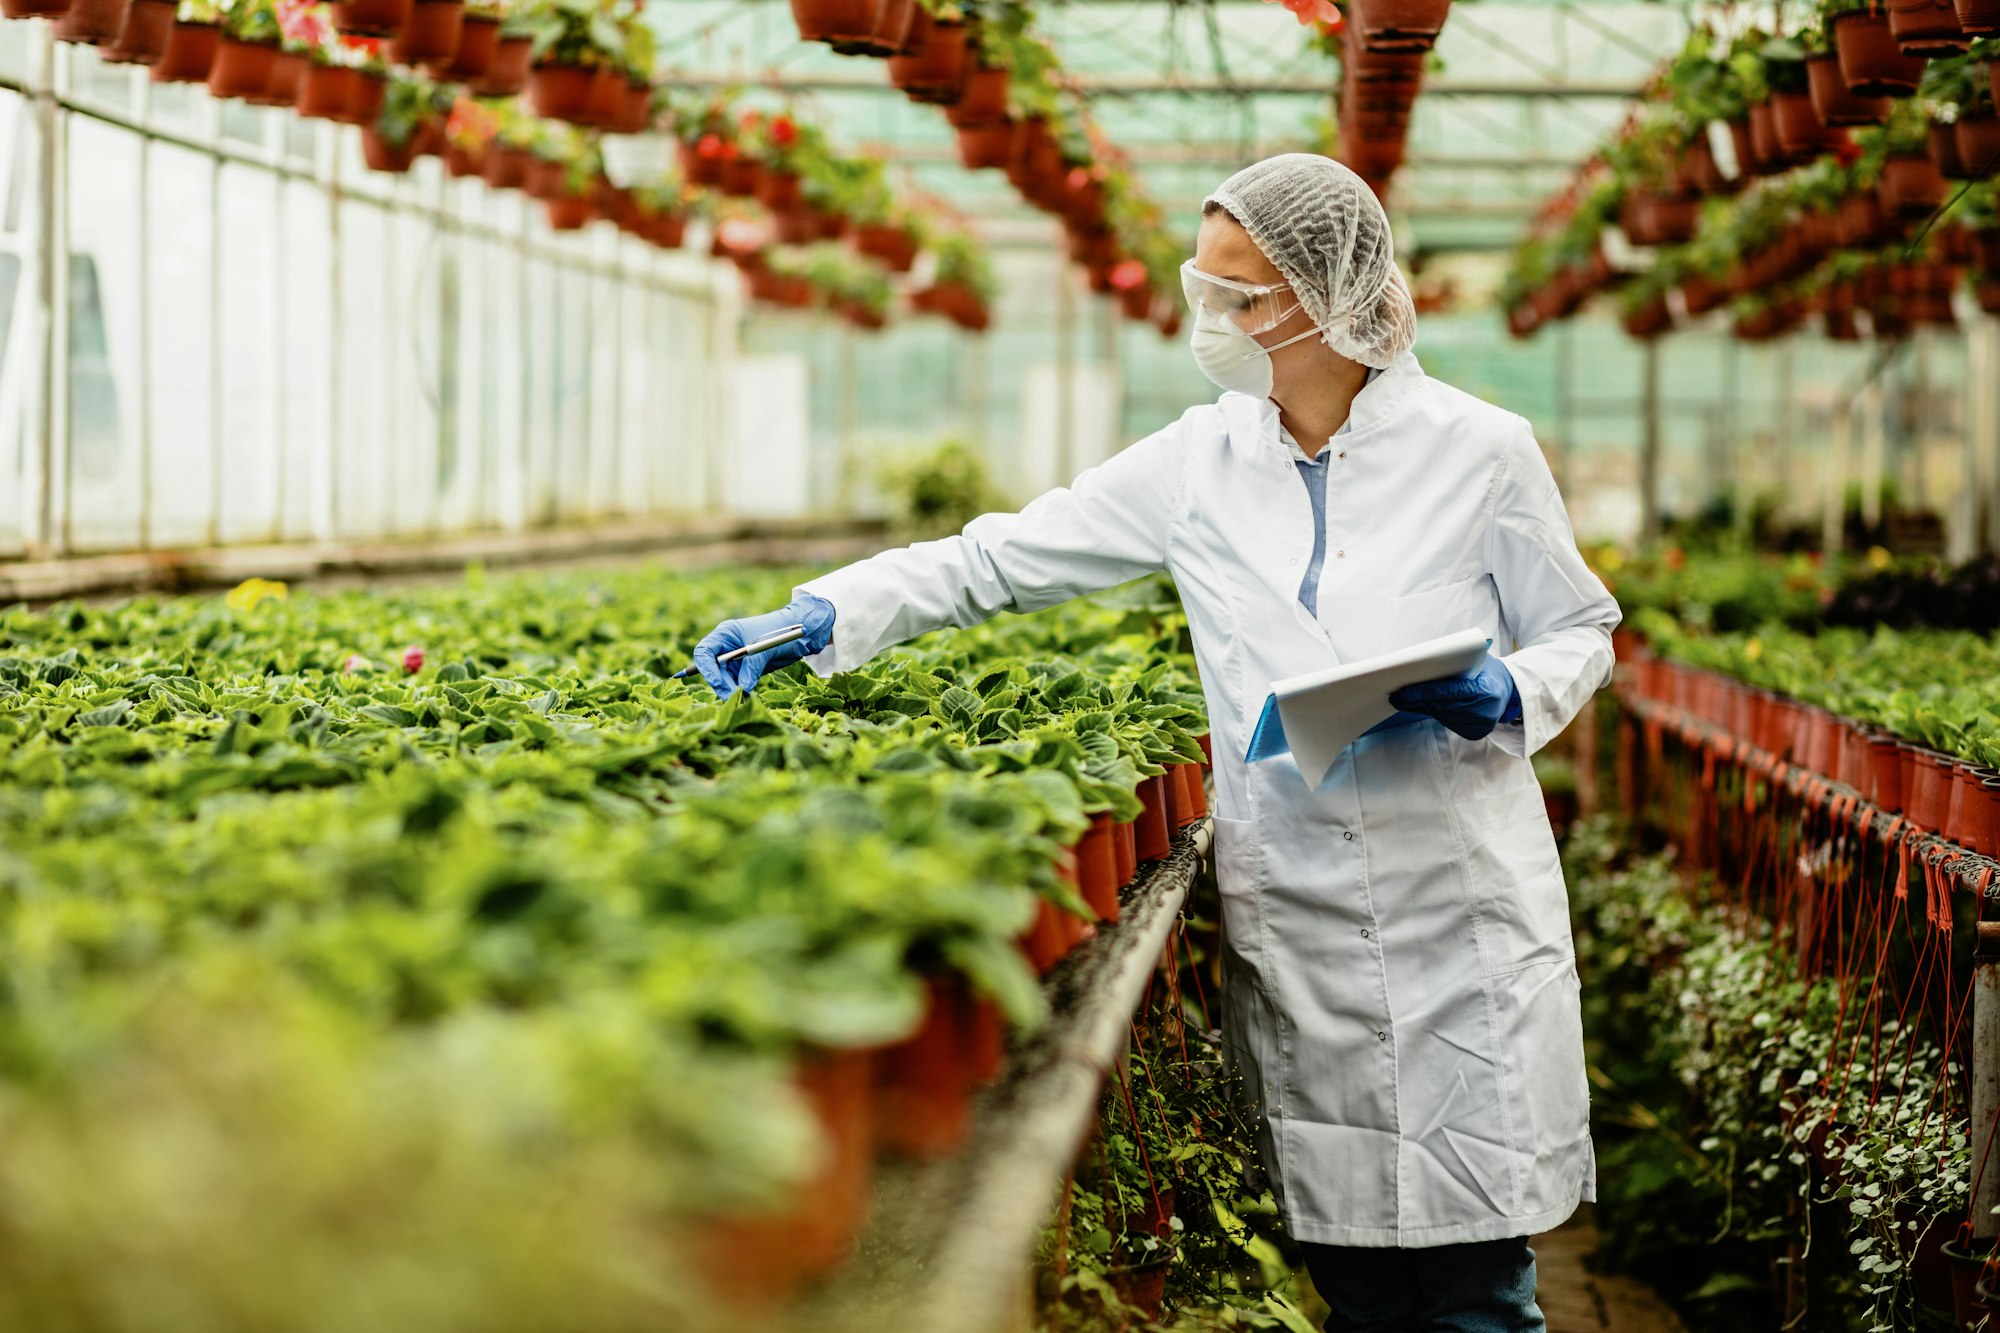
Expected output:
(478, 37)
(513, 50)
(1871, 62)
(243, 56)
(411, 124)
(1926, 28)
(962, 284)
(191, 44)
(937, 71)
(1834, 98)
(346, 81)
(579, 50)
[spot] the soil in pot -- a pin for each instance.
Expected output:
(1870, 60)
(371, 18)
(148, 24)
(431, 34)
(189, 51)
(92, 22)
(240, 69)
(470, 58)
(507, 72)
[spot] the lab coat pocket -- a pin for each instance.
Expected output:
(1367, 626)
(1523, 905)
(1239, 872)
(1541, 1029)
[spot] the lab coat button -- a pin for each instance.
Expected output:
(1340, 555)
(1343, 453)
(1364, 933)
(1349, 835)
(1381, 1036)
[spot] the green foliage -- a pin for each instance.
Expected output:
(940, 490)
(325, 950)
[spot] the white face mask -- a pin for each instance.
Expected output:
(1231, 358)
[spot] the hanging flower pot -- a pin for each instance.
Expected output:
(562, 92)
(740, 176)
(324, 93)
(282, 88)
(607, 99)
(770, 287)
(1927, 28)
(1833, 102)
(779, 191)
(1912, 186)
(469, 60)
(1700, 172)
(506, 168)
(891, 244)
(546, 178)
(1701, 294)
(846, 25)
(189, 51)
(371, 18)
(1943, 149)
(568, 212)
(1861, 221)
(148, 24)
(666, 230)
(507, 73)
(461, 161)
(1767, 155)
(381, 155)
(703, 159)
(937, 73)
(365, 95)
(431, 34)
(1398, 25)
(635, 110)
(240, 68)
(1978, 142)
(989, 146)
(983, 101)
(1840, 326)
(1978, 18)
(1871, 62)
(1649, 320)
(1800, 134)
(34, 9)
(864, 317)
(92, 22)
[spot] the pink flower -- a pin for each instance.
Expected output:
(1310, 12)
(413, 659)
(355, 662)
(1127, 274)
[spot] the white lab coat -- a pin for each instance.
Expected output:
(1402, 983)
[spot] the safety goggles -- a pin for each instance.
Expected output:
(1252, 307)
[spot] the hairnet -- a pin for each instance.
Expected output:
(1324, 229)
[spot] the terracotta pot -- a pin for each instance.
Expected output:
(545, 179)
(1942, 146)
(779, 191)
(938, 72)
(1833, 102)
(1151, 826)
(371, 18)
(697, 169)
(1912, 186)
(740, 176)
(189, 51)
(506, 168)
(148, 24)
(1797, 126)
(1978, 142)
(432, 33)
(1142, 1287)
(1870, 60)
(92, 22)
(1965, 1264)
(986, 147)
(381, 155)
(1991, 786)
(1197, 793)
(1987, 292)
(1399, 25)
(33, 9)
(472, 56)
(607, 98)
(324, 92)
(568, 212)
(507, 72)
(1125, 849)
(1886, 784)
(240, 69)
(1097, 868)
(923, 1086)
(1927, 791)
(893, 245)
(1700, 173)
(1927, 28)
(1767, 154)
(562, 92)
(1978, 18)
(461, 162)
(841, 23)
(862, 317)
(982, 100)
(287, 68)
(1702, 293)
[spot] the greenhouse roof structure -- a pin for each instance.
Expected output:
(1519, 94)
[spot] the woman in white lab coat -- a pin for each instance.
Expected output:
(1402, 983)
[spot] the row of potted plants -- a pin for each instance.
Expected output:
(1830, 211)
(1383, 48)
(1002, 88)
(432, 813)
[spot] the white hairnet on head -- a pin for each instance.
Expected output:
(1325, 230)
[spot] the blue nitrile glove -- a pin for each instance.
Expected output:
(726, 678)
(1470, 705)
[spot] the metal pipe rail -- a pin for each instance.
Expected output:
(949, 1247)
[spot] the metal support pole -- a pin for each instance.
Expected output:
(1781, 430)
(44, 468)
(1649, 444)
(1985, 1081)
(849, 414)
(1065, 377)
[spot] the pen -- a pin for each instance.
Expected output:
(763, 645)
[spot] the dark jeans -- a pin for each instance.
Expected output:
(1484, 1287)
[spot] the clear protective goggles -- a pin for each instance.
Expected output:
(1252, 307)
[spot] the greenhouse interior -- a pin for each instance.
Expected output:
(440, 894)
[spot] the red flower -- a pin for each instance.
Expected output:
(783, 132)
(1078, 178)
(1847, 152)
(1127, 274)
(413, 659)
(1313, 12)
(708, 146)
